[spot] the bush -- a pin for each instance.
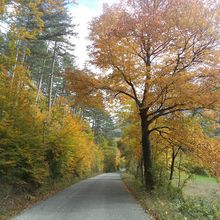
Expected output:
(169, 191)
(36, 146)
(199, 171)
(198, 208)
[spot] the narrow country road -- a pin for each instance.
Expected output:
(103, 197)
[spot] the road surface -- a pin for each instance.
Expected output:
(103, 197)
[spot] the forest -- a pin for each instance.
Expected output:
(151, 111)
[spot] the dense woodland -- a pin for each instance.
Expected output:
(45, 133)
(153, 110)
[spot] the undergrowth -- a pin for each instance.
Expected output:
(13, 201)
(168, 203)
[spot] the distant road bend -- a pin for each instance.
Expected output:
(103, 197)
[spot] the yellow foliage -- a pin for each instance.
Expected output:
(33, 146)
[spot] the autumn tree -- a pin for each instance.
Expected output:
(36, 147)
(32, 30)
(32, 151)
(89, 104)
(83, 91)
(177, 150)
(161, 54)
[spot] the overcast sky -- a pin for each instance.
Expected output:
(82, 14)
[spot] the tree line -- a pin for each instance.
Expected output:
(45, 132)
(160, 72)
(160, 62)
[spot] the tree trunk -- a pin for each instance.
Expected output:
(179, 182)
(41, 73)
(142, 171)
(51, 79)
(172, 164)
(39, 87)
(146, 149)
(139, 169)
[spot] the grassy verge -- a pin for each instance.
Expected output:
(13, 202)
(168, 203)
(204, 187)
(205, 179)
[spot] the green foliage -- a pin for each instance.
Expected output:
(205, 179)
(198, 171)
(169, 191)
(198, 208)
(163, 206)
(111, 160)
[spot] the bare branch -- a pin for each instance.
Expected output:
(159, 129)
(163, 113)
(128, 81)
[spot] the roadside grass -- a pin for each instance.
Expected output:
(204, 179)
(158, 207)
(169, 204)
(14, 201)
(199, 186)
(202, 186)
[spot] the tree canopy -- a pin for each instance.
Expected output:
(163, 55)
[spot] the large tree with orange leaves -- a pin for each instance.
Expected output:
(162, 54)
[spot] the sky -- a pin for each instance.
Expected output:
(82, 14)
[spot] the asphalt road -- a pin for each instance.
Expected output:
(103, 197)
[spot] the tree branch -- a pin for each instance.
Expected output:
(135, 97)
(163, 113)
(159, 129)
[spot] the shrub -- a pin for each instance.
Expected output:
(167, 203)
(199, 171)
(198, 208)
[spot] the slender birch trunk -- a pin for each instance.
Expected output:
(41, 73)
(51, 79)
